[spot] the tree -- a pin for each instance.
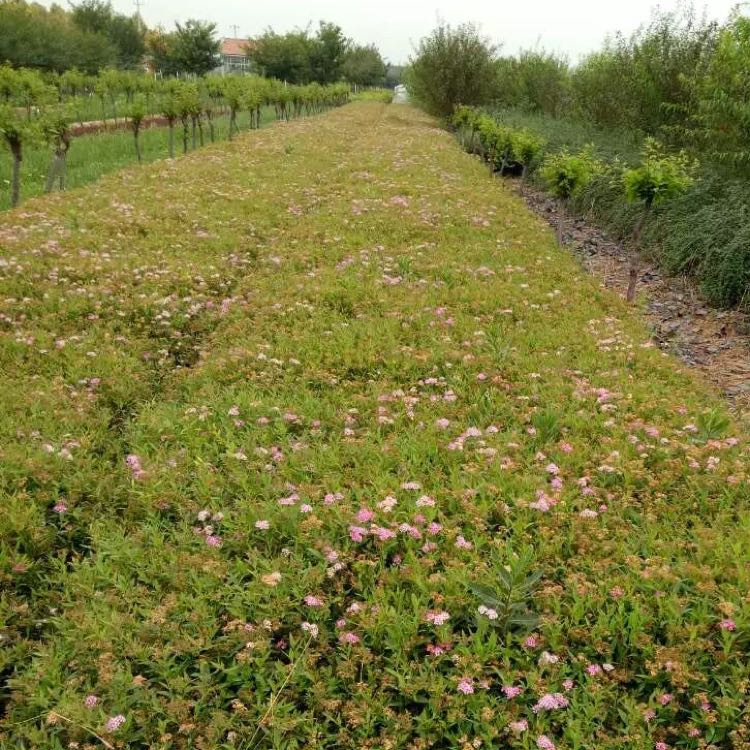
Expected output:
(137, 114)
(287, 57)
(123, 32)
(56, 131)
(364, 66)
(451, 67)
(35, 37)
(196, 48)
(328, 52)
(15, 130)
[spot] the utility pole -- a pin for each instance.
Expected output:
(235, 28)
(138, 4)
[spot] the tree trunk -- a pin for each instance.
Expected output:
(559, 229)
(15, 185)
(635, 258)
(171, 140)
(63, 168)
(185, 133)
(137, 145)
(195, 133)
(211, 133)
(232, 123)
(54, 171)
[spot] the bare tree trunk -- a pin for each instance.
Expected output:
(171, 140)
(53, 172)
(15, 185)
(184, 135)
(559, 229)
(195, 133)
(211, 133)
(137, 145)
(635, 258)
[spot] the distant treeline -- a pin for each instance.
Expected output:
(91, 36)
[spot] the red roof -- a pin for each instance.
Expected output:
(235, 47)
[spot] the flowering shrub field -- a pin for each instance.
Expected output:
(313, 440)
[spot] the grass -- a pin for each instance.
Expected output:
(315, 440)
(92, 156)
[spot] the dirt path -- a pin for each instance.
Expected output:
(716, 342)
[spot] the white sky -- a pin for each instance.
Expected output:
(570, 26)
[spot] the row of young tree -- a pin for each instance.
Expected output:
(681, 78)
(48, 115)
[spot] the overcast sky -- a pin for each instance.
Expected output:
(570, 26)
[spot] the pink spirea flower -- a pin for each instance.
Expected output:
(568, 684)
(466, 686)
(114, 723)
(544, 743)
(437, 617)
(661, 746)
(91, 701)
(551, 702)
(357, 533)
(729, 625)
(213, 541)
(364, 515)
(594, 669)
(313, 601)
(531, 642)
(512, 691)
(349, 638)
(262, 525)
(518, 727)
(666, 699)
(60, 507)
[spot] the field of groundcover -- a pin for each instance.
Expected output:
(314, 439)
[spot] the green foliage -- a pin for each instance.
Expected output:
(535, 81)
(566, 174)
(210, 343)
(364, 66)
(300, 57)
(645, 81)
(660, 177)
(196, 47)
(56, 40)
(124, 33)
(507, 604)
(451, 66)
(526, 147)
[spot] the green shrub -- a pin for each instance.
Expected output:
(659, 178)
(566, 174)
(452, 66)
